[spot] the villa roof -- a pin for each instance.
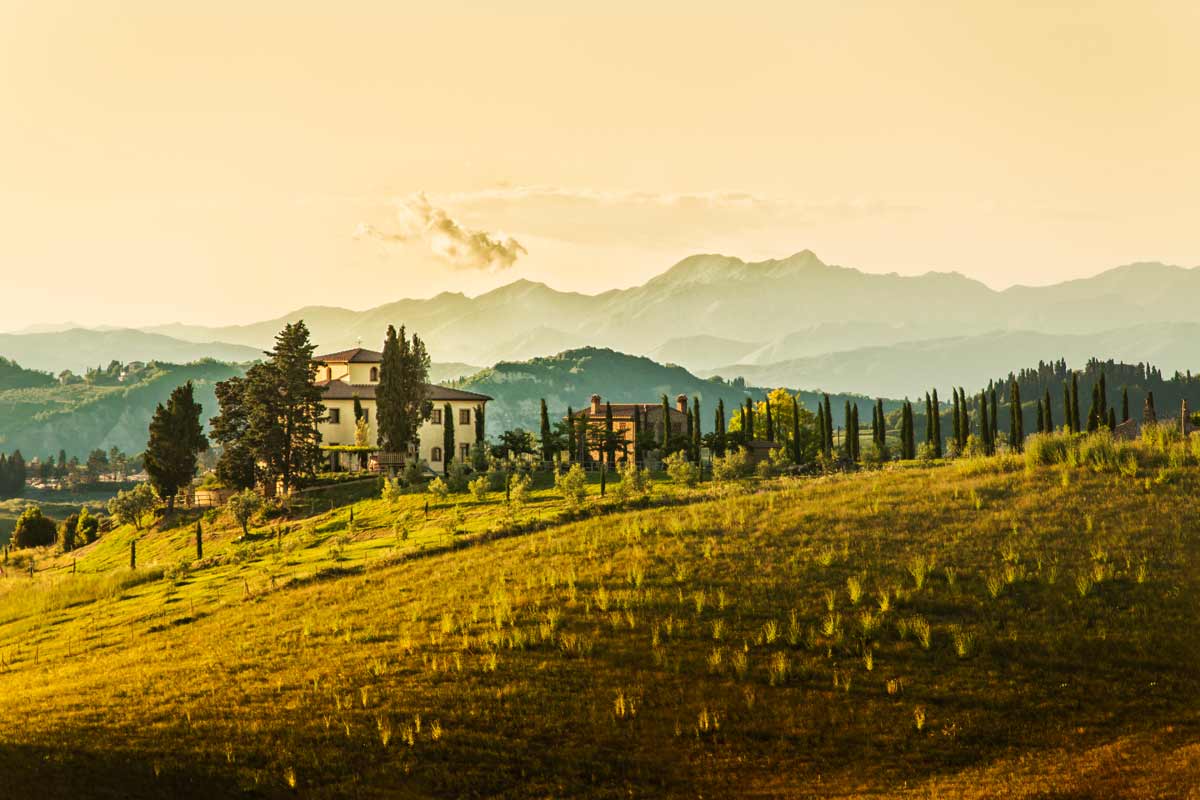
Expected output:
(341, 390)
(355, 355)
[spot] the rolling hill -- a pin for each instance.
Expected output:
(78, 349)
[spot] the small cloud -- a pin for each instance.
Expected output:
(463, 248)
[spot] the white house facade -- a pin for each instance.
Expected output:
(350, 374)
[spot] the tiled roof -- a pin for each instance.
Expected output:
(356, 355)
(341, 390)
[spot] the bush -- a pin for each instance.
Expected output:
(926, 453)
(1047, 449)
(439, 489)
(414, 471)
(681, 471)
(68, 533)
(518, 490)
(33, 529)
(1160, 436)
(1099, 451)
(572, 485)
(391, 491)
(733, 466)
(88, 528)
(635, 483)
(456, 476)
(479, 488)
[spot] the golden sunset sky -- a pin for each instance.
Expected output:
(222, 162)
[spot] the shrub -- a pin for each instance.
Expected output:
(33, 529)
(732, 466)
(392, 490)
(456, 476)
(68, 533)
(1159, 436)
(926, 452)
(518, 490)
(479, 488)
(414, 471)
(681, 471)
(438, 488)
(1047, 449)
(88, 527)
(634, 482)
(1099, 451)
(572, 485)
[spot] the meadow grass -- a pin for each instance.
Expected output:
(835, 636)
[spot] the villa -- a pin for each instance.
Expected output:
(350, 374)
(650, 418)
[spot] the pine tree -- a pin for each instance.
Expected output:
(1048, 415)
(448, 454)
(937, 425)
(547, 433)
(176, 440)
(1124, 404)
(1041, 417)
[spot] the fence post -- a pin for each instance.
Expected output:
(133, 554)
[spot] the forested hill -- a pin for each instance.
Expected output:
(573, 376)
(78, 417)
(1034, 382)
(14, 376)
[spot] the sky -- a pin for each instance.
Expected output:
(226, 162)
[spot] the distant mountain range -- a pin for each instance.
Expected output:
(726, 316)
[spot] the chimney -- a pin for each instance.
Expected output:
(681, 403)
(595, 404)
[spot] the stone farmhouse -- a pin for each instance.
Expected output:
(651, 419)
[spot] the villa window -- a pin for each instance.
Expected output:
(374, 374)
(464, 416)
(436, 419)
(335, 416)
(465, 452)
(435, 455)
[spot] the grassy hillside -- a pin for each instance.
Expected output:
(81, 417)
(969, 630)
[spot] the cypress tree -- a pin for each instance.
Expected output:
(571, 449)
(1149, 414)
(995, 420)
(928, 420)
(696, 438)
(875, 426)
(637, 435)
(666, 424)
(937, 425)
(855, 442)
(1016, 425)
(795, 431)
(447, 436)
(1095, 411)
(719, 429)
(1124, 404)
(742, 415)
(1049, 415)
(821, 427)
(1112, 419)
(846, 425)
(828, 428)
(1103, 400)
(964, 429)
(985, 427)
(1075, 427)
(749, 419)
(1041, 417)
(547, 434)
(1067, 408)
(610, 442)
(957, 419)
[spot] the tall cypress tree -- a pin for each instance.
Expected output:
(1124, 404)
(547, 434)
(1093, 420)
(610, 439)
(828, 428)
(1041, 417)
(957, 419)
(1067, 408)
(854, 441)
(1075, 427)
(666, 424)
(696, 437)
(928, 420)
(719, 428)
(1103, 400)
(1149, 413)
(1112, 419)
(448, 454)
(937, 426)
(1048, 414)
(1016, 423)
(995, 419)
(749, 419)
(821, 427)
(176, 440)
(985, 427)
(571, 449)
(795, 431)
(846, 426)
